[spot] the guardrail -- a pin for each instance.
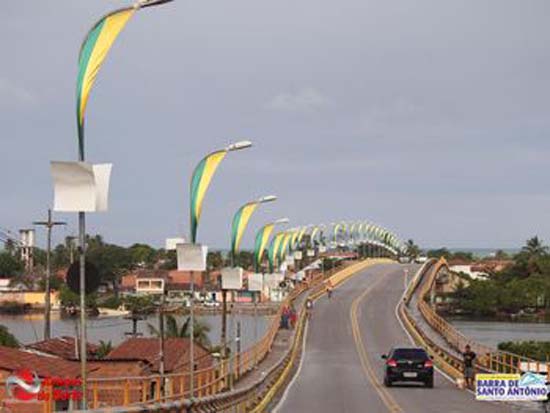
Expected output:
(256, 396)
(489, 359)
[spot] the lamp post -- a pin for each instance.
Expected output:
(200, 180)
(238, 227)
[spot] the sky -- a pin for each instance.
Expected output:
(430, 118)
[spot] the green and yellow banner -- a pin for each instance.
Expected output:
(273, 251)
(200, 181)
(93, 52)
(262, 238)
(238, 226)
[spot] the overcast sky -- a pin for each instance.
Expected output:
(429, 117)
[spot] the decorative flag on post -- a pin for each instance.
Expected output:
(314, 233)
(93, 52)
(272, 253)
(200, 180)
(240, 221)
(262, 238)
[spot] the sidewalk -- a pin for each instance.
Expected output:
(281, 344)
(419, 320)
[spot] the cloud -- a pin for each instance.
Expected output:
(305, 100)
(10, 92)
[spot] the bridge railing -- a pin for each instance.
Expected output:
(489, 359)
(255, 396)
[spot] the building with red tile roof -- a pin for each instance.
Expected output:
(64, 347)
(176, 353)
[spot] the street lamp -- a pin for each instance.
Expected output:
(262, 239)
(93, 52)
(238, 227)
(200, 181)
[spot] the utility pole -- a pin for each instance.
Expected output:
(161, 342)
(49, 224)
(70, 240)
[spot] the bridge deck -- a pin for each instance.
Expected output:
(342, 369)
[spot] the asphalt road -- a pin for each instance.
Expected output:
(341, 369)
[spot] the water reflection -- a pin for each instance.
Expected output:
(29, 328)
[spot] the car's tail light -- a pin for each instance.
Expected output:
(391, 363)
(428, 363)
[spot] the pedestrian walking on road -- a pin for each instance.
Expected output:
(469, 358)
(309, 307)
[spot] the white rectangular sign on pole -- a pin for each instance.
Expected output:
(80, 186)
(298, 255)
(311, 253)
(255, 282)
(322, 249)
(232, 278)
(191, 257)
(273, 280)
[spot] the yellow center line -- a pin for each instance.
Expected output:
(386, 397)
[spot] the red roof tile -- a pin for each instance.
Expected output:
(12, 359)
(64, 347)
(176, 352)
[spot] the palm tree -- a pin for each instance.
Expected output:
(413, 250)
(534, 247)
(104, 348)
(173, 330)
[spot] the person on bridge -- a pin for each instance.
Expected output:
(469, 366)
(309, 307)
(329, 288)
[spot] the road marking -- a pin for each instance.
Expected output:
(297, 374)
(385, 396)
(411, 339)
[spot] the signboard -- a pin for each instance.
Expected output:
(255, 282)
(191, 257)
(80, 186)
(311, 253)
(298, 255)
(273, 280)
(171, 243)
(511, 387)
(232, 278)
(322, 249)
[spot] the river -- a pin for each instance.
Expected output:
(493, 332)
(29, 328)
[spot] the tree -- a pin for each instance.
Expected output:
(6, 338)
(215, 260)
(245, 259)
(142, 255)
(10, 265)
(534, 247)
(439, 253)
(412, 250)
(173, 330)
(104, 348)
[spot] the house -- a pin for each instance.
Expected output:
(64, 347)
(176, 353)
(156, 281)
(13, 359)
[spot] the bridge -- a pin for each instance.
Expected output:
(332, 361)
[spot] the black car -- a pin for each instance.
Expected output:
(408, 365)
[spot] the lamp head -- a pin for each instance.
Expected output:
(237, 146)
(268, 198)
(282, 221)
